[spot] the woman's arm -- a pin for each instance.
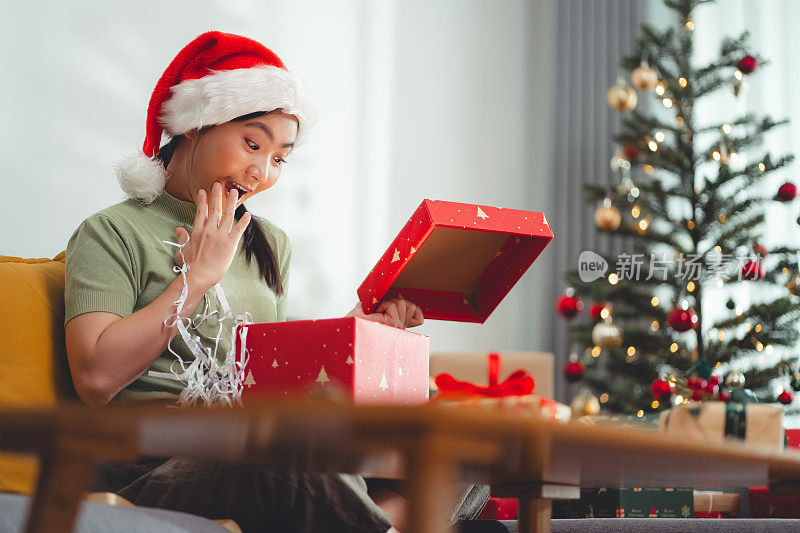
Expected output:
(107, 352)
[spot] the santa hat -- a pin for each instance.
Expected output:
(214, 79)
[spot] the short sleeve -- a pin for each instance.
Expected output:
(100, 270)
(285, 254)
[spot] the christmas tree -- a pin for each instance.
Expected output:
(665, 325)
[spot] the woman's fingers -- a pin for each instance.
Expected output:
(388, 310)
(409, 313)
(182, 235)
(402, 313)
(214, 240)
(393, 318)
(215, 207)
(226, 222)
(395, 312)
(414, 318)
(201, 212)
(401, 310)
(241, 225)
(413, 315)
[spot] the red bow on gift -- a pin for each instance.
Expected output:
(520, 383)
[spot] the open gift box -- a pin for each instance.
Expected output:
(370, 363)
(456, 261)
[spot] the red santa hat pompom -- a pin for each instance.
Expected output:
(214, 79)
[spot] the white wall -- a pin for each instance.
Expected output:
(472, 95)
(444, 100)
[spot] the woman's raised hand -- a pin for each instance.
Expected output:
(396, 312)
(214, 238)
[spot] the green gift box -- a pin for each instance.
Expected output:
(632, 502)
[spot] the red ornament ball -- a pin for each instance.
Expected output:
(574, 371)
(712, 385)
(595, 310)
(753, 270)
(748, 64)
(787, 192)
(697, 395)
(662, 390)
(695, 383)
(785, 397)
(568, 306)
(631, 151)
(724, 396)
(682, 319)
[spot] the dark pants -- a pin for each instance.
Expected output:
(263, 500)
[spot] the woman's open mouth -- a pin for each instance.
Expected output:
(233, 185)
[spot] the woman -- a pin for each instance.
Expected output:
(234, 114)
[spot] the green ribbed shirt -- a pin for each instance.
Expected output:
(116, 262)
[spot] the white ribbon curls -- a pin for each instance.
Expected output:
(209, 381)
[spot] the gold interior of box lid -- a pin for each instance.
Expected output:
(451, 260)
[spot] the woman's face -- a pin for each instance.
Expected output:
(248, 154)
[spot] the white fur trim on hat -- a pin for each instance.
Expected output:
(227, 94)
(141, 177)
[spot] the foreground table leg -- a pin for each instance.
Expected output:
(431, 473)
(535, 502)
(534, 515)
(64, 476)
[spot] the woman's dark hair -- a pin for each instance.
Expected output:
(255, 241)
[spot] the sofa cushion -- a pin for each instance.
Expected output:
(96, 518)
(33, 361)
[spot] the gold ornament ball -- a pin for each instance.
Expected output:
(585, 403)
(607, 218)
(644, 78)
(794, 284)
(621, 97)
(606, 334)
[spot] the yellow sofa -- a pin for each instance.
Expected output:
(33, 360)
(33, 363)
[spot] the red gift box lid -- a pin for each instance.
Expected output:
(457, 261)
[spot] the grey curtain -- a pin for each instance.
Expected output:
(590, 38)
